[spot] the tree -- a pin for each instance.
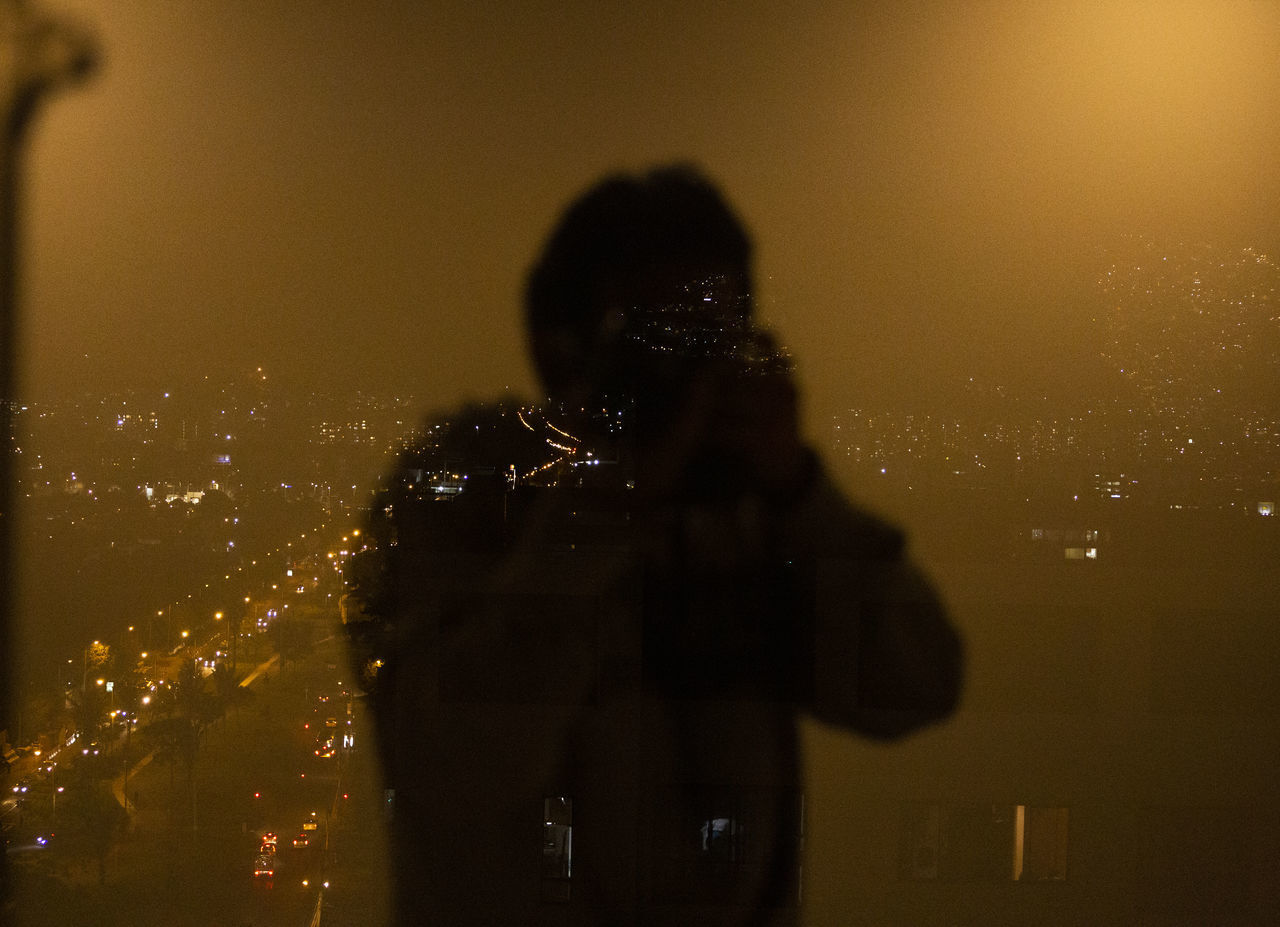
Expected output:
(291, 637)
(227, 689)
(89, 703)
(187, 711)
(97, 656)
(92, 819)
(87, 706)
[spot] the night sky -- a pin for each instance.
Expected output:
(351, 193)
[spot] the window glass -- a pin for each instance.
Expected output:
(1014, 273)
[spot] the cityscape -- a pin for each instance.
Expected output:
(806, 465)
(190, 724)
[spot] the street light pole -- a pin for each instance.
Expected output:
(128, 725)
(53, 800)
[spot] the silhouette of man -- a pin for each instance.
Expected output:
(590, 626)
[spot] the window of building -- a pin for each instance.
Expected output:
(983, 842)
(557, 848)
(719, 845)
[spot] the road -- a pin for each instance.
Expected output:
(187, 856)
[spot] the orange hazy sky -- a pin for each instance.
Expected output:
(351, 193)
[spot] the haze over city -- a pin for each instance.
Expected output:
(359, 191)
(1021, 259)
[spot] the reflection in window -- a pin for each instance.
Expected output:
(719, 838)
(557, 848)
(988, 843)
(1040, 844)
(718, 844)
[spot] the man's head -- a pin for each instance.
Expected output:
(633, 256)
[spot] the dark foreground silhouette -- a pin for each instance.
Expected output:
(590, 625)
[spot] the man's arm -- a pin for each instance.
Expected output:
(886, 659)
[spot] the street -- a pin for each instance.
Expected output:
(187, 853)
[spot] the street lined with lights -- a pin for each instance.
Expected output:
(310, 787)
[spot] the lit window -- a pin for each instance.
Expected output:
(719, 844)
(557, 848)
(985, 843)
(1040, 843)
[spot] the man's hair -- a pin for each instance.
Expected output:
(617, 246)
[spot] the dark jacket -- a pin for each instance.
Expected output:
(588, 708)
